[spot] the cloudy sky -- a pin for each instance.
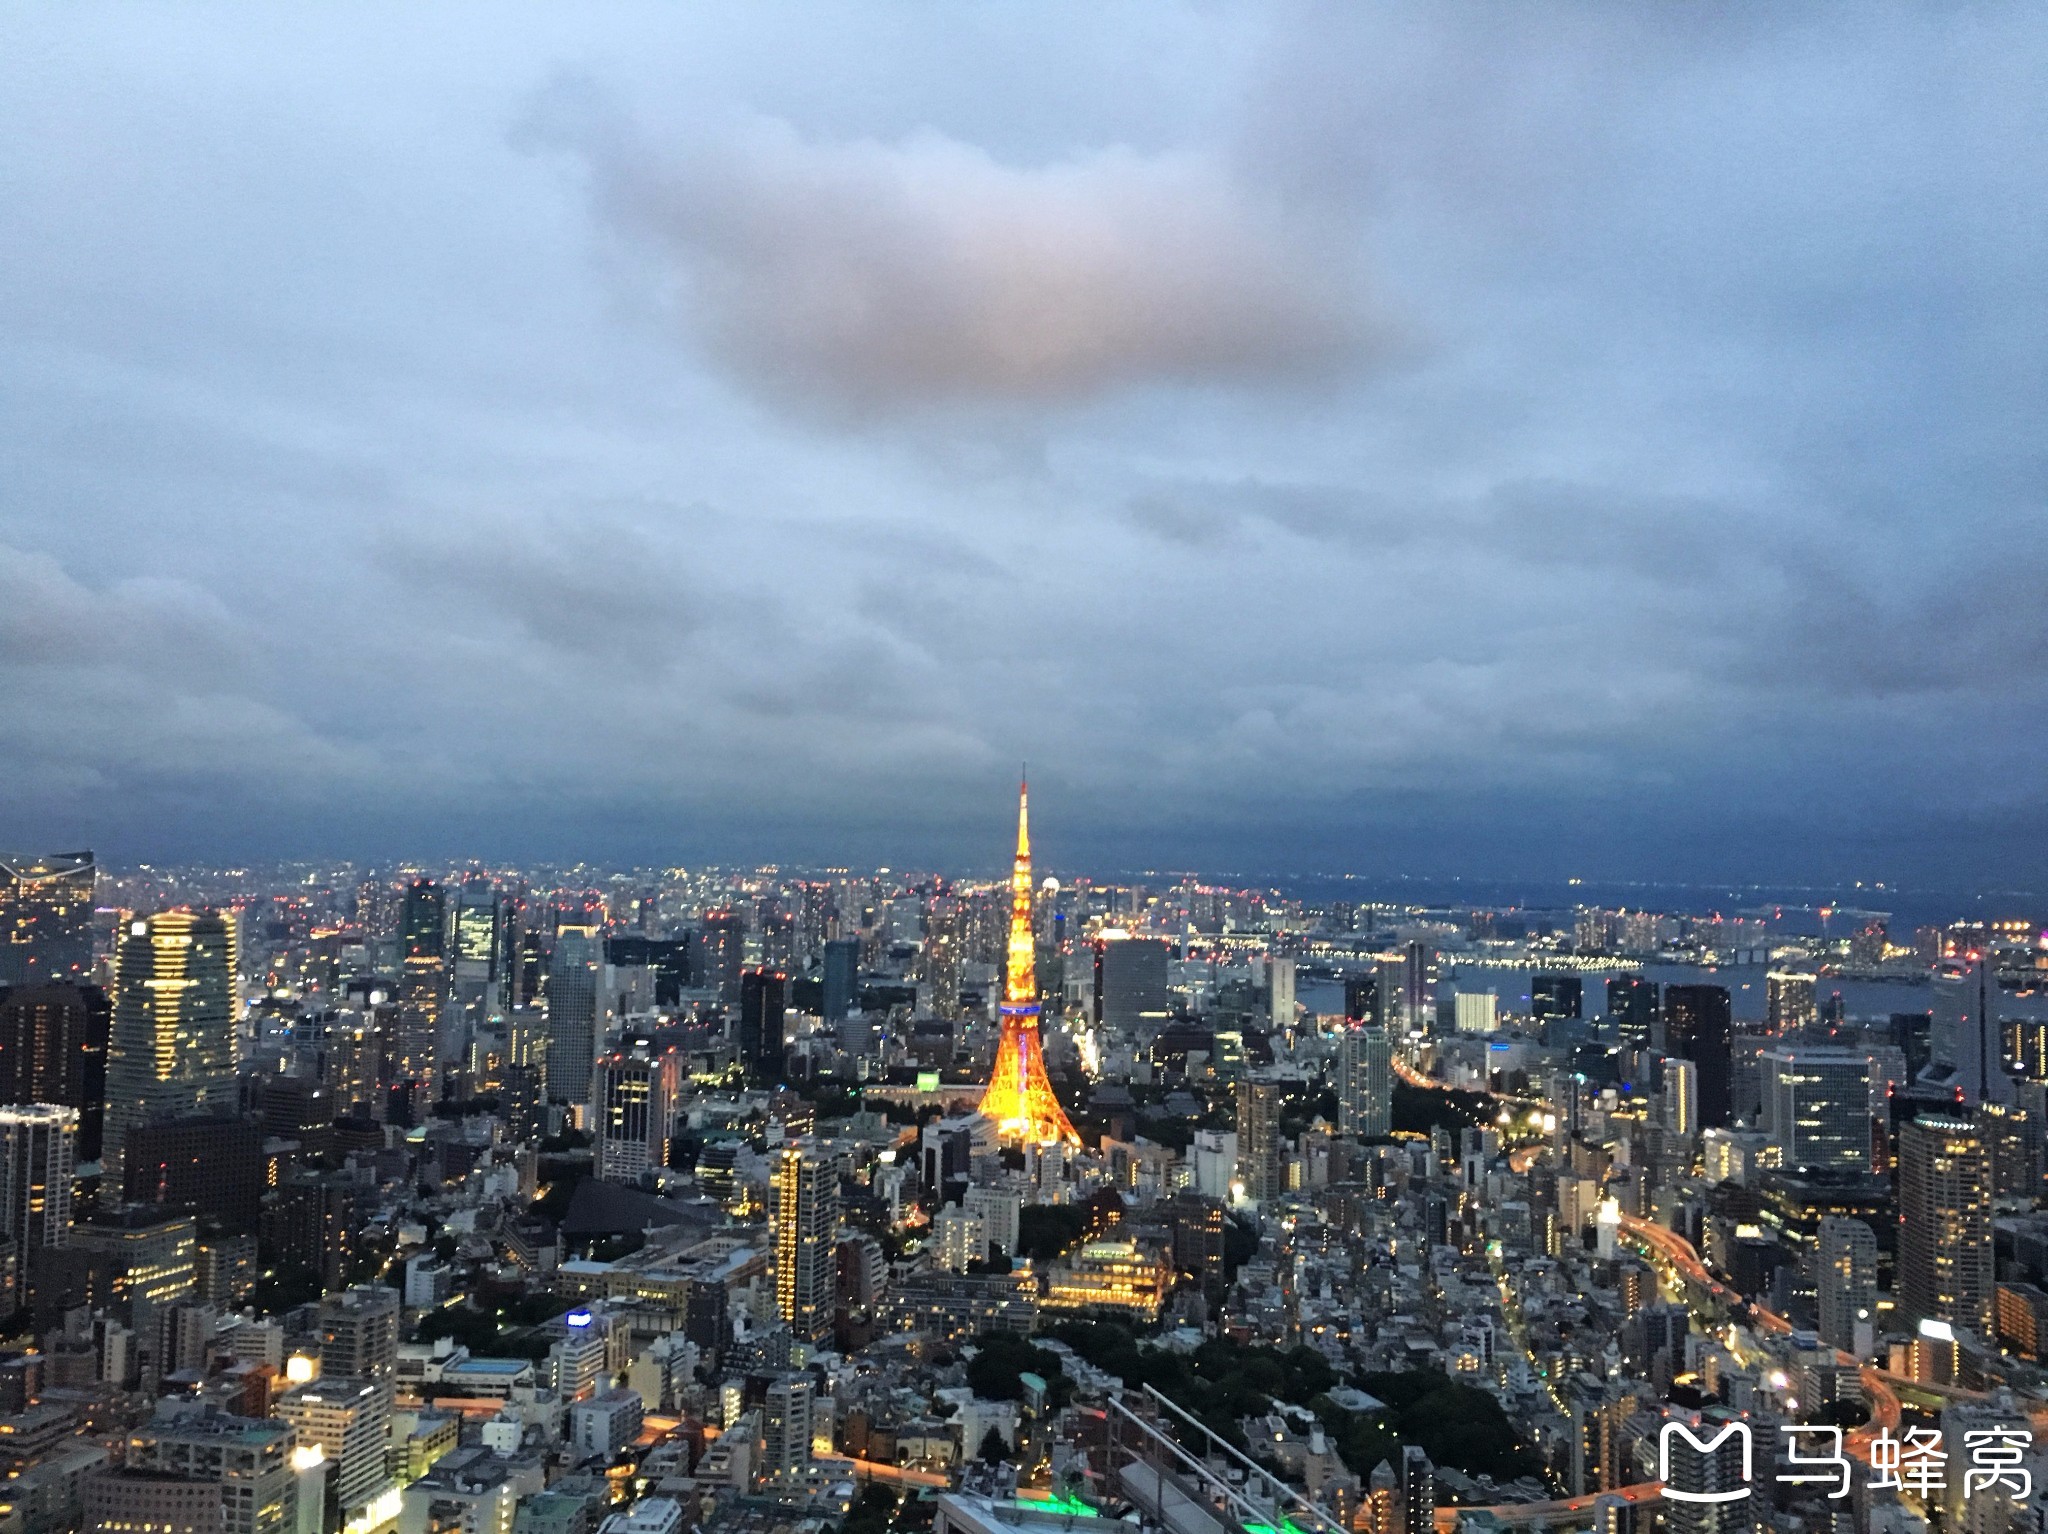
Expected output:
(1527, 440)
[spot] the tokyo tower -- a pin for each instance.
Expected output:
(1019, 1098)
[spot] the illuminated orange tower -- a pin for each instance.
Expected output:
(1019, 1098)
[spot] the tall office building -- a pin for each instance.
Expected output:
(1816, 1107)
(572, 1015)
(806, 1215)
(1365, 1082)
(2014, 1136)
(38, 1151)
(1392, 986)
(1362, 999)
(53, 1049)
(1967, 1035)
(1699, 1026)
(841, 972)
(1131, 985)
(481, 919)
(46, 919)
(635, 1110)
(171, 1044)
(940, 960)
(211, 1165)
(1556, 997)
(764, 998)
(1945, 1191)
(1258, 1139)
(156, 1254)
(1679, 1095)
(1790, 1002)
(721, 952)
(1845, 1282)
(341, 1048)
(359, 1333)
(422, 986)
(1475, 1011)
(1280, 992)
(350, 1420)
(315, 1222)
(1632, 1005)
(525, 1089)
(1418, 982)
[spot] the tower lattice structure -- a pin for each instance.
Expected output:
(1019, 1097)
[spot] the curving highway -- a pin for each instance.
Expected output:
(1685, 1261)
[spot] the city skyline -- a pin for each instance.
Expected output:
(1497, 550)
(1596, 447)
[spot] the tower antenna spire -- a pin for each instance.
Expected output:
(1019, 1097)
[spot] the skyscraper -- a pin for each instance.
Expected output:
(1945, 1190)
(1392, 986)
(1789, 1001)
(422, 985)
(572, 1015)
(38, 1151)
(1817, 1107)
(1019, 1097)
(1967, 1034)
(1258, 1130)
(764, 998)
(1365, 1082)
(806, 1216)
(211, 1165)
(1362, 999)
(1632, 1005)
(1418, 982)
(940, 960)
(842, 965)
(636, 1107)
(46, 918)
(1280, 992)
(1555, 997)
(1131, 979)
(722, 951)
(171, 1045)
(1680, 1094)
(480, 917)
(1846, 1283)
(53, 1049)
(1698, 1026)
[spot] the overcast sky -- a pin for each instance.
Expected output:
(1498, 439)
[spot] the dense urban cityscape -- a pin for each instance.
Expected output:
(832, 767)
(351, 1201)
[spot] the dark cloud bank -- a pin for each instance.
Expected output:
(1607, 443)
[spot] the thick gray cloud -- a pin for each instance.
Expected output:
(1588, 439)
(858, 278)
